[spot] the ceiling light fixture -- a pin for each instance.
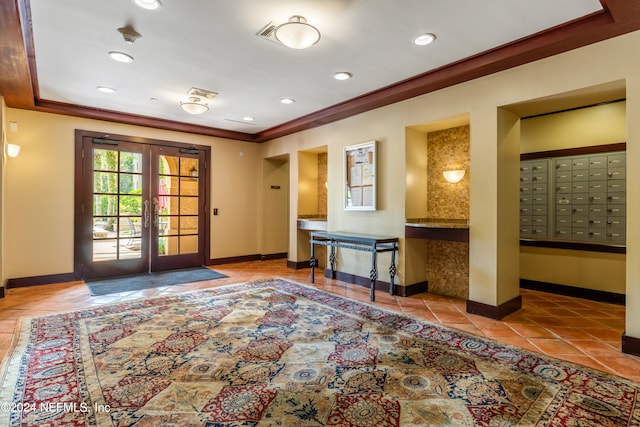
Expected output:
(296, 33)
(287, 100)
(424, 39)
(121, 57)
(248, 119)
(194, 106)
(148, 4)
(106, 89)
(342, 75)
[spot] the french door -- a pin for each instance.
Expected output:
(141, 207)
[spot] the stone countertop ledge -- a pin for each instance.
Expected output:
(437, 223)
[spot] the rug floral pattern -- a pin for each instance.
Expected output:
(276, 353)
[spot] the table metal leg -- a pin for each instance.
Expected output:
(373, 275)
(312, 262)
(332, 261)
(392, 270)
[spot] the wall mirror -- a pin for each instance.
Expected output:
(360, 177)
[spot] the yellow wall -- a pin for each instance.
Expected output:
(275, 206)
(495, 148)
(308, 183)
(40, 191)
(585, 127)
(598, 125)
(39, 199)
(3, 159)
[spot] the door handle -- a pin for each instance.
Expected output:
(156, 212)
(147, 214)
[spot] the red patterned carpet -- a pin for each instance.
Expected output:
(276, 353)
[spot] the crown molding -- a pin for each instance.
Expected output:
(18, 74)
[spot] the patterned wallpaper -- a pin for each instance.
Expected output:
(448, 149)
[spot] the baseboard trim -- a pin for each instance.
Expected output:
(267, 257)
(49, 279)
(573, 291)
(245, 258)
(492, 311)
(401, 291)
(298, 265)
(630, 345)
(234, 259)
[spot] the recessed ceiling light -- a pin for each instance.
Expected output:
(120, 56)
(342, 75)
(248, 119)
(148, 4)
(106, 89)
(287, 100)
(424, 39)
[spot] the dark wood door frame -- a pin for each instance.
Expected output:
(78, 184)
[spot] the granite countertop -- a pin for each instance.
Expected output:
(312, 222)
(437, 223)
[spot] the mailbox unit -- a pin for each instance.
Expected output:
(574, 198)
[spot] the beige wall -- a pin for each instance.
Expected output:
(494, 261)
(3, 159)
(275, 206)
(585, 127)
(307, 185)
(39, 199)
(598, 125)
(40, 191)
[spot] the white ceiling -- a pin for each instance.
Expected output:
(212, 44)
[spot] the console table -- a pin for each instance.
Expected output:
(359, 242)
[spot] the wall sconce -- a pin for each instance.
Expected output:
(13, 150)
(454, 176)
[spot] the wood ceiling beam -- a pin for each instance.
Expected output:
(15, 76)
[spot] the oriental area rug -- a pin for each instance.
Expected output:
(277, 353)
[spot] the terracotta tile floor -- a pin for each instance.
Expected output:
(577, 330)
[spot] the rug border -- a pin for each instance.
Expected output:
(460, 332)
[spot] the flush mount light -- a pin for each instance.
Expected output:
(296, 33)
(342, 75)
(106, 89)
(454, 176)
(121, 57)
(424, 39)
(248, 119)
(194, 106)
(287, 100)
(148, 4)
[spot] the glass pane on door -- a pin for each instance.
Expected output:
(117, 205)
(177, 205)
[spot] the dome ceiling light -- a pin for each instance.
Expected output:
(296, 33)
(194, 106)
(148, 4)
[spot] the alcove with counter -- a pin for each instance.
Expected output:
(312, 201)
(436, 210)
